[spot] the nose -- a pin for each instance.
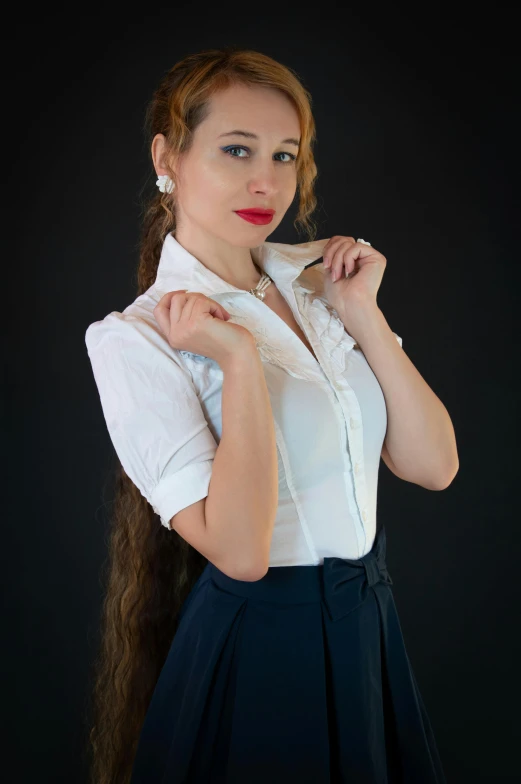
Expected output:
(267, 180)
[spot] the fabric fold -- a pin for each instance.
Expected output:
(328, 327)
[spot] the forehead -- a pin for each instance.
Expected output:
(261, 110)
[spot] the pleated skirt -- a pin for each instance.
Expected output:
(302, 676)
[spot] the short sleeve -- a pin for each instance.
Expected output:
(152, 412)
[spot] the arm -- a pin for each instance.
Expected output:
(222, 499)
(420, 441)
(242, 499)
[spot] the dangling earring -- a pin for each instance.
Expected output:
(164, 183)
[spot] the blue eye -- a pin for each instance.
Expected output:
(240, 147)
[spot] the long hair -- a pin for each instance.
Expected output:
(150, 570)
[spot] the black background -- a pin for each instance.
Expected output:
(417, 124)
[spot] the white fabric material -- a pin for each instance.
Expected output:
(162, 406)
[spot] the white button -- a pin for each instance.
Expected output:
(352, 422)
(357, 468)
(364, 515)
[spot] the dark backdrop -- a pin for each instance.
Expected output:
(417, 133)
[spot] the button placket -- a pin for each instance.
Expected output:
(338, 344)
(355, 439)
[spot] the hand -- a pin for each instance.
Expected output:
(193, 322)
(362, 263)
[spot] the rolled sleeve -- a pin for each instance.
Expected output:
(153, 414)
(181, 489)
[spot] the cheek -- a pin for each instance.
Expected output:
(217, 178)
(289, 188)
(208, 187)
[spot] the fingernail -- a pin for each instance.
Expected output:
(333, 276)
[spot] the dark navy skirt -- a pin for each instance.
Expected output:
(301, 676)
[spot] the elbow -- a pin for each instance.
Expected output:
(256, 575)
(250, 575)
(446, 479)
(257, 571)
(246, 572)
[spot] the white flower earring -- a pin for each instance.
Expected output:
(165, 184)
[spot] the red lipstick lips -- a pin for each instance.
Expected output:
(256, 215)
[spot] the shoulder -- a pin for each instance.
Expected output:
(136, 318)
(132, 337)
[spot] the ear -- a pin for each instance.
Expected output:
(158, 150)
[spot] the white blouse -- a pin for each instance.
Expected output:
(162, 406)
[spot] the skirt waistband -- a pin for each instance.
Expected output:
(343, 583)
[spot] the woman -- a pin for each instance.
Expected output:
(252, 635)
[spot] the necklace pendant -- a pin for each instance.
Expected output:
(260, 288)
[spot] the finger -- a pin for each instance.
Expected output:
(164, 302)
(330, 250)
(214, 308)
(224, 312)
(202, 303)
(337, 263)
(336, 244)
(350, 257)
(217, 310)
(162, 311)
(338, 239)
(163, 319)
(177, 304)
(192, 305)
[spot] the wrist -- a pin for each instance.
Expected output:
(364, 323)
(358, 314)
(242, 358)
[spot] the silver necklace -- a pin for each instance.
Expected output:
(260, 289)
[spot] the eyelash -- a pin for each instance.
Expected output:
(240, 147)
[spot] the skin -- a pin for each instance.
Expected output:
(211, 184)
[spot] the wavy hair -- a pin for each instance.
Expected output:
(150, 570)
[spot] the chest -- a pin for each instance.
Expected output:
(278, 305)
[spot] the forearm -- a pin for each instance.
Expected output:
(420, 436)
(243, 494)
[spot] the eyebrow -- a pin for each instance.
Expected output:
(250, 135)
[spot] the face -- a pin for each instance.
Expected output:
(221, 174)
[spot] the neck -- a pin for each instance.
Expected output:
(232, 264)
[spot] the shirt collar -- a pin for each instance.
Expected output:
(179, 269)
